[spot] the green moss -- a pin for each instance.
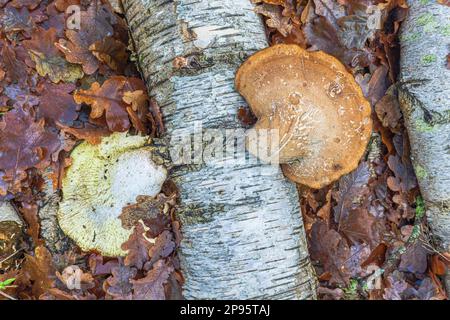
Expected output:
(421, 173)
(428, 22)
(420, 208)
(410, 37)
(425, 19)
(423, 2)
(428, 58)
(446, 30)
(423, 126)
(351, 292)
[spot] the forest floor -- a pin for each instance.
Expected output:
(367, 235)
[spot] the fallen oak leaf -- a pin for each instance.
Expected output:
(151, 287)
(138, 247)
(119, 286)
(329, 248)
(30, 215)
(110, 51)
(48, 60)
(163, 247)
(275, 19)
(377, 256)
(37, 270)
(57, 104)
(388, 111)
(107, 99)
(15, 21)
(25, 143)
(137, 99)
(437, 266)
(405, 178)
(95, 24)
(97, 266)
(30, 4)
(92, 134)
(138, 111)
(414, 259)
(352, 190)
(15, 70)
(149, 209)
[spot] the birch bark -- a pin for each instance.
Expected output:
(242, 225)
(425, 101)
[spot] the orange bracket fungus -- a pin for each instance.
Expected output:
(320, 116)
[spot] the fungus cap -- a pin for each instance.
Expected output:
(101, 180)
(322, 117)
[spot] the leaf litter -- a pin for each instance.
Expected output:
(355, 227)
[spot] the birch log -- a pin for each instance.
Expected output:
(425, 101)
(243, 233)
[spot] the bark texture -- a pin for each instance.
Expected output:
(425, 100)
(242, 226)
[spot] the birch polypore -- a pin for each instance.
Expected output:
(101, 180)
(241, 223)
(315, 105)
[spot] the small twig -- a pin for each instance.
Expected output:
(10, 256)
(7, 295)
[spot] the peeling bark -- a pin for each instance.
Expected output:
(425, 101)
(242, 227)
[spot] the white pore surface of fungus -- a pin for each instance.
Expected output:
(100, 182)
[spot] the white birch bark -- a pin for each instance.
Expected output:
(425, 100)
(243, 232)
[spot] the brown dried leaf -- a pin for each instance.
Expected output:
(322, 35)
(119, 285)
(352, 191)
(97, 266)
(30, 215)
(138, 248)
(95, 24)
(90, 133)
(151, 287)
(328, 247)
(57, 104)
(148, 209)
(15, 70)
(163, 247)
(25, 143)
(388, 111)
(275, 19)
(112, 52)
(30, 4)
(107, 99)
(14, 21)
(38, 270)
(414, 259)
(405, 178)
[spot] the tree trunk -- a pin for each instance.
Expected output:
(425, 100)
(242, 227)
